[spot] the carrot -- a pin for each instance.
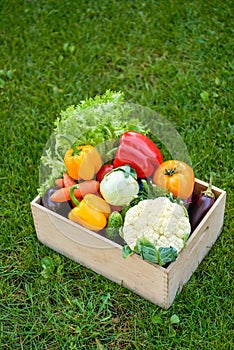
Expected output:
(85, 187)
(61, 195)
(59, 183)
(68, 180)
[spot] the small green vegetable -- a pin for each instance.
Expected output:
(115, 222)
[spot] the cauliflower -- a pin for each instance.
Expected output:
(159, 221)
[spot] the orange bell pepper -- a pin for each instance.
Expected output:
(91, 212)
(82, 162)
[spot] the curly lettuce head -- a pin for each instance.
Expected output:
(97, 121)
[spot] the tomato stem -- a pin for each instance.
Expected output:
(171, 172)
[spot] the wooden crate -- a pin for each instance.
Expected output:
(155, 283)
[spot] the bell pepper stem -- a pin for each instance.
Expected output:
(73, 198)
(75, 150)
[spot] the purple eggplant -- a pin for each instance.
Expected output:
(200, 206)
(187, 202)
(61, 208)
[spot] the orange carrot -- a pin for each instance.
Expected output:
(85, 187)
(59, 183)
(68, 180)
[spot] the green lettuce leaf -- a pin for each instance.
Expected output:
(98, 121)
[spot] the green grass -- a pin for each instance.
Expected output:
(172, 56)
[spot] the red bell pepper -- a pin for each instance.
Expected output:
(139, 152)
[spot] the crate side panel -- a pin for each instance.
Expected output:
(147, 280)
(190, 258)
(73, 231)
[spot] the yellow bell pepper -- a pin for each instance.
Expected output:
(82, 162)
(91, 212)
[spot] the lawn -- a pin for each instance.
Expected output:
(175, 57)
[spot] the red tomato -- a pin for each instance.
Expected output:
(175, 176)
(103, 171)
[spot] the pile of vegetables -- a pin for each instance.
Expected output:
(113, 179)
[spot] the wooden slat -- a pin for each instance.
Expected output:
(197, 247)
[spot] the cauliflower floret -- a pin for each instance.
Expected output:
(163, 242)
(160, 221)
(176, 243)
